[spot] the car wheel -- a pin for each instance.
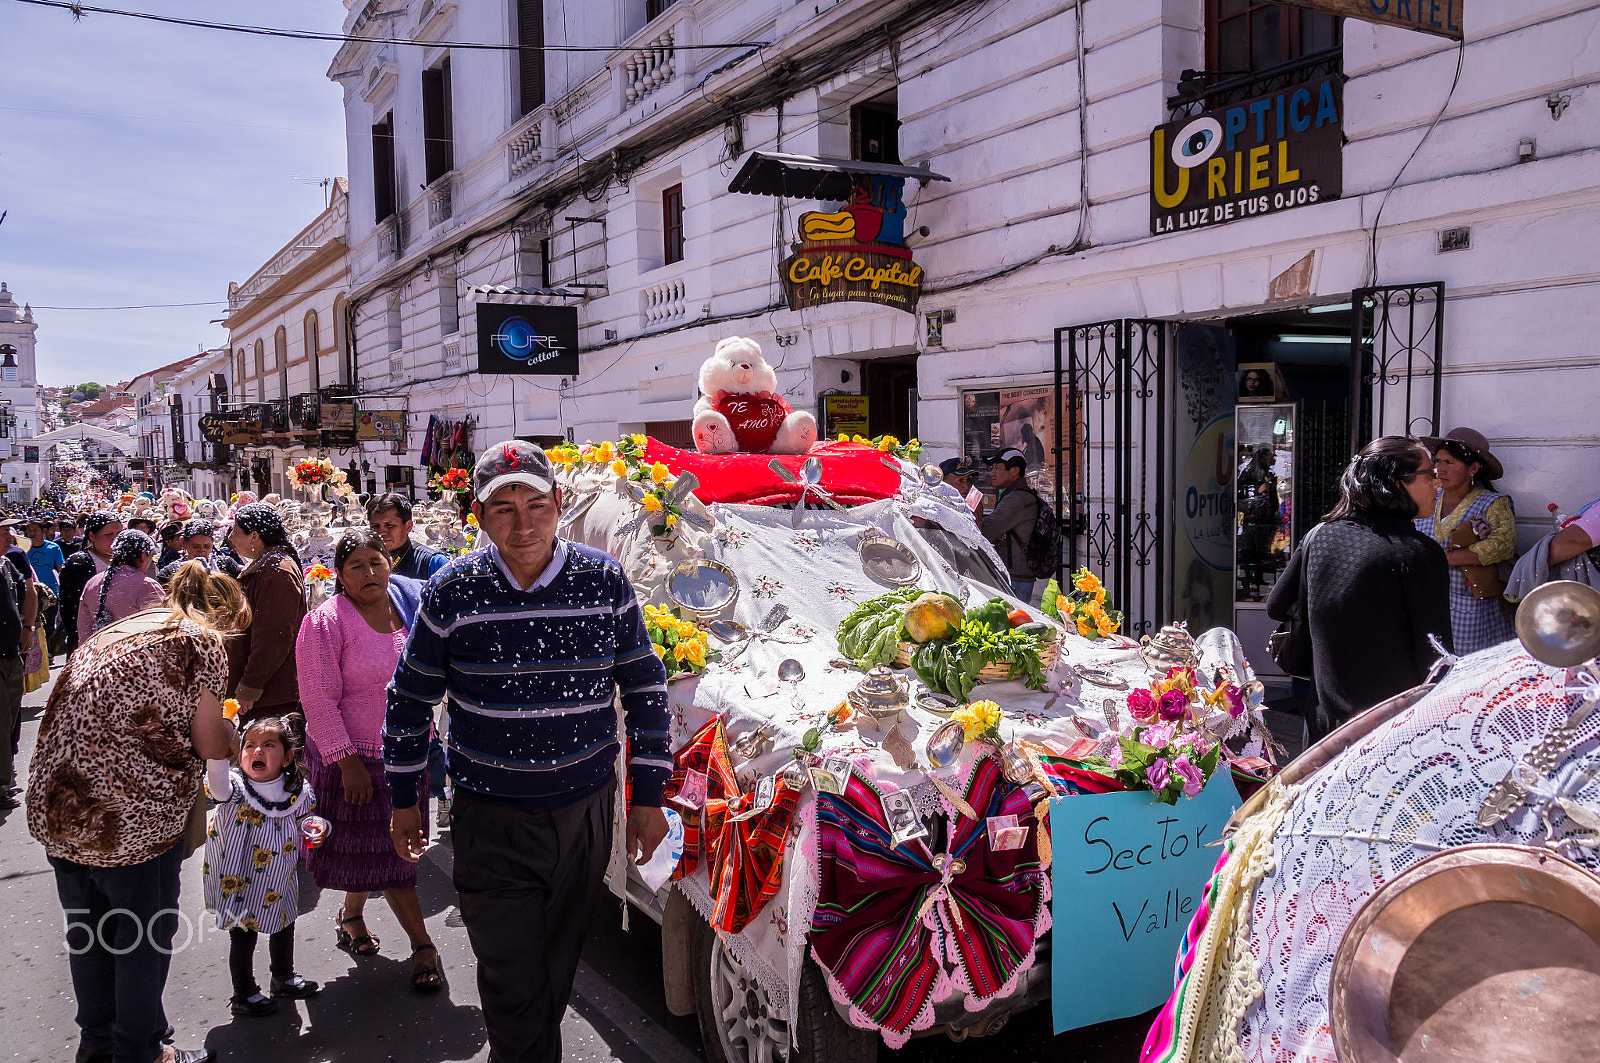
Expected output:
(740, 1024)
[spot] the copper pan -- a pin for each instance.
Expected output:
(1335, 742)
(1483, 952)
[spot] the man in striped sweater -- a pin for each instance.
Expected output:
(530, 639)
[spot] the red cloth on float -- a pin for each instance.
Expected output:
(852, 473)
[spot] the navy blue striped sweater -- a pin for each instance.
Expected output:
(530, 677)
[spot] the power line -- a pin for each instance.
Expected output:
(79, 10)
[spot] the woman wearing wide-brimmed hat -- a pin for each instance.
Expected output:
(1478, 530)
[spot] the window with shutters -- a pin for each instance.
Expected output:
(438, 139)
(1245, 36)
(672, 224)
(449, 308)
(383, 190)
(530, 54)
(341, 338)
(311, 350)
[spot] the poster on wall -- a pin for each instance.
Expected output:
(846, 414)
(1020, 418)
(1204, 430)
(527, 340)
(1262, 156)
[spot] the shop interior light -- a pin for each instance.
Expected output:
(1300, 337)
(1331, 308)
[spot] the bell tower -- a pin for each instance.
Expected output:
(19, 411)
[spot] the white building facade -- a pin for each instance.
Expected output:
(1426, 263)
(201, 467)
(287, 331)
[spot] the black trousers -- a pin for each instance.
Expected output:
(120, 925)
(242, 958)
(527, 879)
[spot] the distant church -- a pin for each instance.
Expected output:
(19, 401)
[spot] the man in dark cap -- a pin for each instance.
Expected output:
(1010, 526)
(959, 473)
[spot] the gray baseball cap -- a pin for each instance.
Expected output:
(515, 461)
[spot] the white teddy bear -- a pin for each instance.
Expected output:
(739, 408)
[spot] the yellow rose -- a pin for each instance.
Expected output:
(671, 519)
(680, 651)
(661, 651)
(697, 653)
(660, 473)
(1085, 628)
(1086, 582)
(1105, 625)
(638, 440)
(889, 441)
(844, 437)
(651, 503)
(620, 467)
(604, 452)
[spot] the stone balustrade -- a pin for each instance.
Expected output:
(650, 67)
(665, 303)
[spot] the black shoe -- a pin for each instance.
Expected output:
(251, 1007)
(295, 987)
(103, 1056)
(7, 802)
(193, 1055)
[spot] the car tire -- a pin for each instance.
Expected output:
(822, 1036)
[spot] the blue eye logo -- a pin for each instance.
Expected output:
(1197, 142)
(520, 342)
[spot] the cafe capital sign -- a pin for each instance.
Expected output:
(855, 254)
(1439, 17)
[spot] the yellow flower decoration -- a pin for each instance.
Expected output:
(844, 437)
(696, 654)
(638, 440)
(661, 651)
(564, 456)
(472, 520)
(604, 453)
(977, 718)
(660, 473)
(620, 467)
(651, 503)
(1105, 625)
(672, 519)
(1087, 582)
(1085, 628)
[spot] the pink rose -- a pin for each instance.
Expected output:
(1157, 736)
(1174, 705)
(1156, 774)
(1142, 705)
(1234, 697)
(1114, 758)
(1193, 778)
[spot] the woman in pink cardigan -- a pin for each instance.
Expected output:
(345, 656)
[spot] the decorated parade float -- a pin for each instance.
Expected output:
(1421, 884)
(872, 738)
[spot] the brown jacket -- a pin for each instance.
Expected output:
(261, 664)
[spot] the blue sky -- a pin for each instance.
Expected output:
(144, 163)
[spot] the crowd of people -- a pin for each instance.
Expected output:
(203, 708)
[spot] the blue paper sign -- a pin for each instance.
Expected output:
(1127, 878)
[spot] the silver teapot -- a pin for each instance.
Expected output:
(881, 695)
(1171, 647)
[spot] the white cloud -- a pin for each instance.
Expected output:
(146, 163)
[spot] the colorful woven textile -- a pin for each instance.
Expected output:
(1070, 777)
(895, 927)
(745, 856)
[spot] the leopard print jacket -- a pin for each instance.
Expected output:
(114, 772)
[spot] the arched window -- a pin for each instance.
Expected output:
(280, 350)
(261, 371)
(312, 359)
(341, 338)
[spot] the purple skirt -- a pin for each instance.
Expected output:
(359, 856)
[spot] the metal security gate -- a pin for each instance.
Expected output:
(1396, 352)
(1110, 451)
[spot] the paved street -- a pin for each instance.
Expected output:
(366, 1012)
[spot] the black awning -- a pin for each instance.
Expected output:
(808, 177)
(546, 293)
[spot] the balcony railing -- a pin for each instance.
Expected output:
(438, 196)
(650, 67)
(664, 304)
(525, 151)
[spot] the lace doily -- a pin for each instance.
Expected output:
(1409, 789)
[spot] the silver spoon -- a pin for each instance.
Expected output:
(792, 671)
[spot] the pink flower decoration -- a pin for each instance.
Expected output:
(1185, 672)
(1156, 774)
(1114, 758)
(1193, 778)
(1174, 705)
(1235, 700)
(1157, 736)
(1142, 704)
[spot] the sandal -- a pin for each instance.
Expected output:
(360, 944)
(426, 979)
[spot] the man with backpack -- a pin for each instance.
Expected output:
(1015, 520)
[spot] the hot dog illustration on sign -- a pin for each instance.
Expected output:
(739, 407)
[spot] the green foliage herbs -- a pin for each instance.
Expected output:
(951, 666)
(870, 635)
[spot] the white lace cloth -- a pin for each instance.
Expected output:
(1410, 789)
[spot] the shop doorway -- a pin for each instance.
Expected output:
(890, 385)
